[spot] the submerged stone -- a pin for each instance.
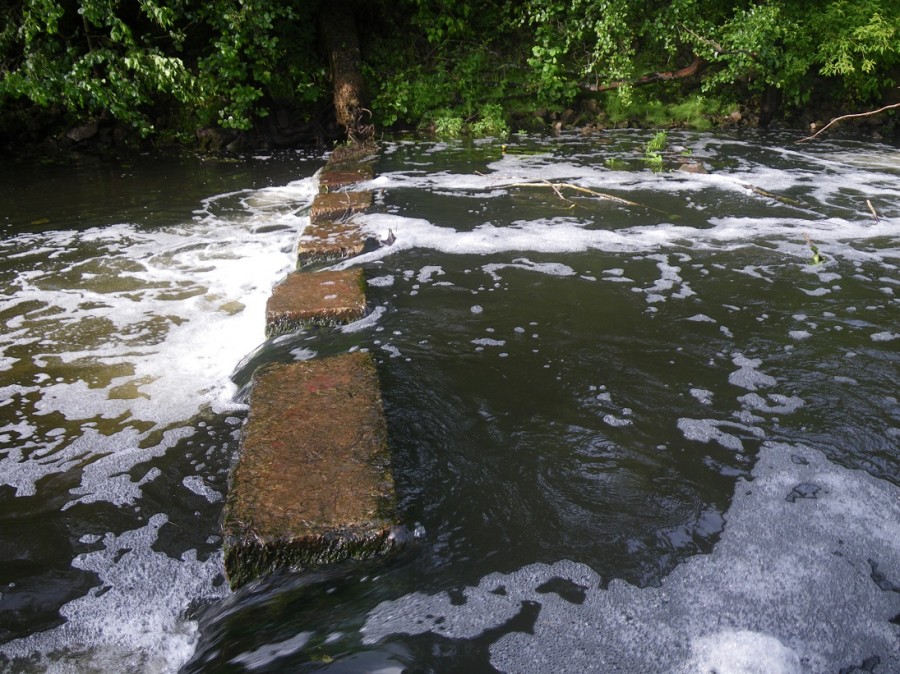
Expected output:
(326, 297)
(338, 205)
(313, 484)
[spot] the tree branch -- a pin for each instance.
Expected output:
(649, 79)
(853, 116)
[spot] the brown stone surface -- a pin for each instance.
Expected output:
(313, 483)
(337, 205)
(321, 297)
(352, 153)
(330, 241)
(331, 179)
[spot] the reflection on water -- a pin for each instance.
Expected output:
(597, 412)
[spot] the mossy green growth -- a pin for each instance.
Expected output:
(693, 112)
(312, 484)
(653, 151)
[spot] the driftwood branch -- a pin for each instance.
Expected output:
(853, 116)
(769, 195)
(559, 187)
(692, 69)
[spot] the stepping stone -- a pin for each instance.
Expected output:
(315, 298)
(352, 153)
(312, 485)
(331, 179)
(330, 241)
(338, 205)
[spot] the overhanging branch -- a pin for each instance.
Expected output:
(853, 116)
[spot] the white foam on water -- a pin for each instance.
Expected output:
(790, 587)
(702, 395)
(369, 320)
(269, 653)
(426, 273)
(197, 485)
(710, 430)
(134, 621)
(884, 336)
(487, 341)
(743, 652)
(783, 404)
(549, 268)
(131, 333)
(747, 375)
(179, 307)
(381, 281)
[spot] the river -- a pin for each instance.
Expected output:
(634, 425)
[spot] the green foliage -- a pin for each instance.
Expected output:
(448, 125)
(491, 122)
(653, 150)
(657, 143)
(455, 65)
(859, 42)
(106, 58)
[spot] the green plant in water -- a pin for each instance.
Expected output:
(658, 142)
(447, 125)
(491, 122)
(653, 151)
(817, 257)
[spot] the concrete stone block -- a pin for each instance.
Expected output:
(333, 179)
(312, 484)
(330, 241)
(338, 205)
(322, 298)
(352, 153)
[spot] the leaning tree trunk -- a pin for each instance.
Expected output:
(338, 33)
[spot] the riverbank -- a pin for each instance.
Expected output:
(42, 136)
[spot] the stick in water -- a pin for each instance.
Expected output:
(872, 210)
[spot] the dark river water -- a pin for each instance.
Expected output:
(634, 426)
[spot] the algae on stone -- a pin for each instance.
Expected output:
(313, 482)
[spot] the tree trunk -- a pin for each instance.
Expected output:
(337, 30)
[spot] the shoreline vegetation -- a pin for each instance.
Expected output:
(233, 75)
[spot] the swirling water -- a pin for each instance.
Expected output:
(640, 437)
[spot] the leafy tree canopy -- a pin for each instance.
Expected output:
(186, 64)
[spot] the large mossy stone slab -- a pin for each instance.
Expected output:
(338, 205)
(323, 298)
(312, 485)
(331, 179)
(330, 241)
(352, 153)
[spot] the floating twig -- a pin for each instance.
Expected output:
(872, 210)
(558, 187)
(777, 197)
